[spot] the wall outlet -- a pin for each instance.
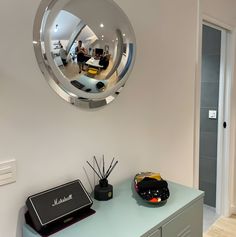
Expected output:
(7, 172)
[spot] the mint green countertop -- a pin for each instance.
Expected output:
(126, 215)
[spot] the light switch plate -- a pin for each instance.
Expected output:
(212, 114)
(7, 172)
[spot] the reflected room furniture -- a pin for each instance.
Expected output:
(94, 67)
(91, 72)
(87, 83)
(99, 51)
(94, 63)
(126, 215)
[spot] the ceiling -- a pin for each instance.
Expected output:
(66, 24)
(93, 13)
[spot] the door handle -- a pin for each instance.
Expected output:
(224, 125)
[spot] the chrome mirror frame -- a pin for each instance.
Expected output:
(81, 98)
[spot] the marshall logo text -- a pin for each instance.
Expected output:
(61, 200)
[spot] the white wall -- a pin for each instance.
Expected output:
(166, 39)
(148, 127)
(221, 10)
(224, 11)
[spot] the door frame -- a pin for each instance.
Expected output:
(226, 138)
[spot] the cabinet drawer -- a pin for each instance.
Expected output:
(187, 224)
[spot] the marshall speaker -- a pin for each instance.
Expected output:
(56, 208)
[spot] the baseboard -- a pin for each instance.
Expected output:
(233, 209)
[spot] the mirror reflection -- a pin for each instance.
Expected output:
(89, 46)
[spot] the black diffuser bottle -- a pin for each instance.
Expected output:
(103, 191)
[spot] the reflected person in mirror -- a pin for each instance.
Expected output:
(78, 47)
(80, 52)
(104, 61)
(63, 55)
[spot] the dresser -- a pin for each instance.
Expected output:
(126, 215)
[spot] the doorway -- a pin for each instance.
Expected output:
(210, 78)
(214, 110)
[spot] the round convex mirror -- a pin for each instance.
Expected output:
(85, 49)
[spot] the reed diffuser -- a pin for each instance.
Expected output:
(103, 191)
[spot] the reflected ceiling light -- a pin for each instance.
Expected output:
(56, 29)
(35, 42)
(101, 25)
(116, 39)
(102, 39)
(102, 35)
(124, 35)
(113, 40)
